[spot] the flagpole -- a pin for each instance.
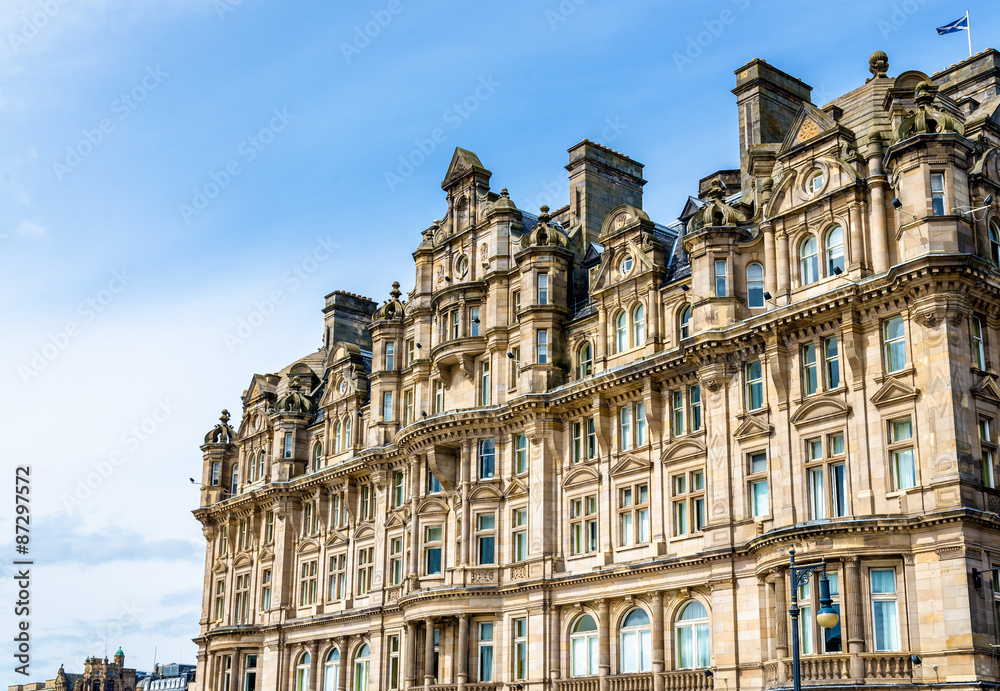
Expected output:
(968, 30)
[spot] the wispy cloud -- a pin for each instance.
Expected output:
(32, 229)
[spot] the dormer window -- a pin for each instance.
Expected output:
(626, 265)
(814, 182)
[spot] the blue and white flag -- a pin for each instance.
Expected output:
(957, 25)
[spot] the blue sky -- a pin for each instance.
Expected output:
(174, 170)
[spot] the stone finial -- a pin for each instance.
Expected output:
(504, 193)
(225, 416)
(543, 214)
(924, 94)
(394, 293)
(878, 64)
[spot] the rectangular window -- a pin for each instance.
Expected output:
(387, 406)
(904, 469)
(366, 502)
(474, 321)
(484, 383)
(978, 348)
(885, 610)
(411, 353)
(577, 441)
(694, 400)
(633, 515)
(486, 538)
(810, 376)
(937, 193)
(591, 439)
(677, 406)
(515, 300)
(307, 583)
(543, 289)
(432, 550)
(754, 385)
(520, 649)
(583, 524)
(720, 278)
(438, 396)
(288, 445)
(265, 592)
(485, 652)
(516, 352)
(688, 497)
(241, 609)
(398, 488)
(624, 428)
(542, 347)
(487, 459)
(220, 599)
(390, 356)
(408, 407)
(336, 587)
(520, 454)
(215, 474)
(831, 355)
(454, 324)
(894, 338)
(269, 528)
(307, 519)
(640, 423)
(987, 451)
(366, 556)
(433, 485)
(395, 561)
(760, 504)
(393, 663)
(519, 521)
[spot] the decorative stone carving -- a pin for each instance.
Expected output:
(483, 576)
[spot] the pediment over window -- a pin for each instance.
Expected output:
(682, 449)
(220, 566)
(987, 390)
(393, 519)
(241, 561)
(485, 492)
(581, 475)
(894, 391)
(820, 410)
(308, 545)
(630, 464)
(364, 532)
(339, 538)
(810, 122)
(432, 505)
(265, 554)
(753, 426)
(515, 487)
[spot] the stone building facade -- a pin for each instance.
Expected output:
(576, 454)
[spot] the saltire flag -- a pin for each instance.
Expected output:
(957, 25)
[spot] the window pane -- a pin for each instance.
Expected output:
(630, 652)
(886, 625)
(883, 582)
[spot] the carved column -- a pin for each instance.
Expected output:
(234, 682)
(770, 259)
(410, 674)
(857, 249)
(602, 334)
(658, 651)
(603, 643)
(429, 651)
(783, 283)
(653, 316)
(781, 621)
(313, 648)
(343, 643)
(463, 648)
(876, 187)
(415, 476)
(555, 649)
(852, 626)
(468, 461)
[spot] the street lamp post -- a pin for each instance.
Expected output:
(826, 617)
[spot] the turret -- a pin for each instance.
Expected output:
(219, 452)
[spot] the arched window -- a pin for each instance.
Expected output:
(808, 260)
(317, 455)
(638, 326)
(236, 478)
(361, 669)
(691, 634)
(302, 673)
(685, 321)
(583, 647)
(755, 286)
(331, 671)
(995, 242)
(347, 432)
(621, 333)
(260, 465)
(586, 360)
(337, 430)
(636, 643)
(834, 250)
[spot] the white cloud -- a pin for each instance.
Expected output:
(31, 229)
